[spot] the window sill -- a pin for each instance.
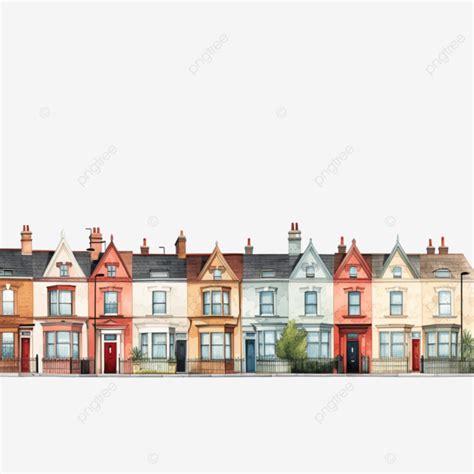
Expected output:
(312, 316)
(396, 316)
(109, 315)
(444, 316)
(267, 316)
(354, 316)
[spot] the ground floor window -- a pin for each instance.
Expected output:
(267, 343)
(392, 344)
(442, 343)
(216, 345)
(62, 345)
(317, 344)
(8, 345)
(153, 345)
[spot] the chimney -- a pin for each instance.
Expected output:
(294, 240)
(95, 243)
(341, 248)
(340, 254)
(144, 249)
(249, 247)
(442, 249)
(26, 241)
(430, 250)
(180, 245)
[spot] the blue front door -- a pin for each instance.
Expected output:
(250, 355)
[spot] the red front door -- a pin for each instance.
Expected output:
(415, 354)
(110, 357)
(25, 354)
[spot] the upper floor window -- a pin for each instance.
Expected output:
(354, 303)
(310, 303)
(216, 303)
(310, 272)
(110, 302)
(60, 303)
(396, 303)
(217, 274)
(442, 273)
(4, 272)
(216, 345)
(159, 302)
(397, 272)
(267, 302)
(8, 345)
(159, 274)
(111, 271)
(64, 270)
(353, 272)
(62, 345)
(8, 302)
(444, 303)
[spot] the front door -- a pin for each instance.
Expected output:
(180, 356)
(250, 355)
(415, 354)
(352, 357)
(25, 354)
(110, 357)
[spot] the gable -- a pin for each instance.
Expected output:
(112, 256)
(398, 260)
(354, 259)
(217, 261)
(63, 255)
(309, 258)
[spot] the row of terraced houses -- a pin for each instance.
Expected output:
(106, 310)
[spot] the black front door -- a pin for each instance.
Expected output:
(250, 355)
(180, 356)
(352, 357)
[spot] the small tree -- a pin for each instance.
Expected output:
(136, 354)
(467, 345)
(292, 343)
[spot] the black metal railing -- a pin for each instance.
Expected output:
(147, 366)
(19, 365)
(321, 365)
(446, 365)
(390, 365)
(214, 366)
(68, 365)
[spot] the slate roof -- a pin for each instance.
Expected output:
(282, 264)
(454, 262)
(143, 264)
(12, 259)
(196, 262)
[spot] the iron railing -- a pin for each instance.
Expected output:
(147, 366)
(68, 365)
(390, 365)
(214, 366)
(323, 365)
(19, 365)
(446, 365)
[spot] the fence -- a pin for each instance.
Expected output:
(147, 366)
(299, 366)
(15, 365)
(446, 365)
(66, 366)
(215, 366)
(390, 365)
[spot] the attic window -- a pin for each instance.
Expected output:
(159, 274)
(442, 273)
(63, 270)
(6, 272)
(268, 273)
(397, 272)
(217, 274)
(353, 272)
(310, 273)
(111, 271)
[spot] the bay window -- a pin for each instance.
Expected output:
(62, 345)
(158, 342)
(317, 344)
(267, 343)
(392, 344)
(216, 346)
(442, 343)
(60, 303)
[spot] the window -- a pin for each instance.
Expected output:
(442, 273)
(60, 303)
(268, 274)
(267, 344)
(8, 302)
(397, 272)
(217, 274)
(353, 272)
(397, 348)
(63, 270)
(396, 303)
(8, 347)
(442, 343)
(267, 303)
(111, 302)
(144, 344)
(159, 302)
(216, 303)
(454, 344)
(62, 345)
(431, 344)
(317, 344)
(354, 303)
(384, 344)
(6, 272)
(216, 345)
(310, 303)
(310, 272)
(111, 271)
(158, 274)
(158, 345)
(444, 303)
(172, 354)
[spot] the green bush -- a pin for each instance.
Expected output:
(292, 343)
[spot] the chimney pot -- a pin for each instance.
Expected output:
(95, 243)
(442, 249)
(294, 240)
(249, 247)
(430, 250)
(341, 249)
(144, 249)
(26, 241)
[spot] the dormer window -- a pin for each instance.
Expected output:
(353, 272)
(158, 274)
(310, 273)
(6, 272)
(268, 273)
(111, 271)
(397, 272)
(64, 270)
(442, 273)
(217, 274)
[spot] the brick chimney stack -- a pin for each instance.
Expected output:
(442, 249)
(294, 240)
(341, 248)
(95, 243)
(180, 245)
(26, 241)
(340, 254)
(144, 249)
(249, 247)
(430, 250)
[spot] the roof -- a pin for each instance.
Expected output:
(42, 258)
(454, 262)
(195, 263)
(282, 264)
(144, 264)
(12, 259)
(379, 260)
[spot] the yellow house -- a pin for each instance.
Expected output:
(396, 312)
(214, 312)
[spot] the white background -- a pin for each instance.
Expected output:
(230, 152)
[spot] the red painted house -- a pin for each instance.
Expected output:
(353, 307)
(110, 287)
